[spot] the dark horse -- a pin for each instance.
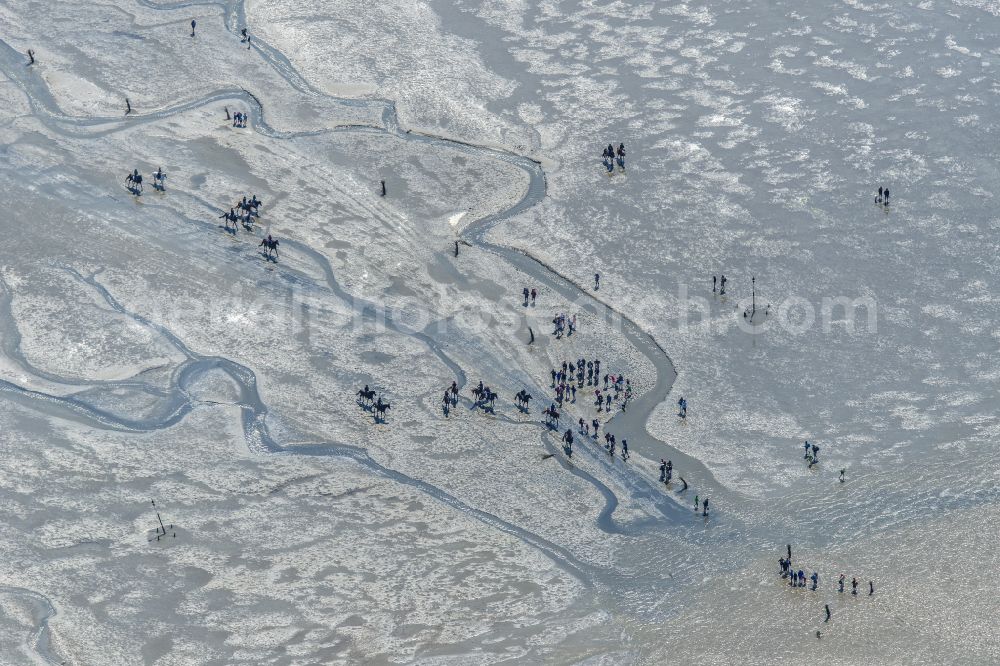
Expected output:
(485, 398)
(365, 397)
(567, 439)
(551, 417)
(270, 246)
(379, 409)
(522, 398)
(133, 182)
(230, 218)
(250, 205)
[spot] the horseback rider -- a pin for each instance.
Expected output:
(134, 180)
(270, 245)
(379, 409)
(366, 396)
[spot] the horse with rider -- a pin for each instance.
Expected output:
(551, 416)
(379, 409)
(270, 246)
(133, 182)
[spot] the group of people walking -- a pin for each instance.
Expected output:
(529, 295)
(797, 578)
(811, 456)
(883, 196)
(577, 370)
(610, 444)
(610, 441)
(564, 325)
(592, 430)
(619, 385)
(572, 376)
(854, 585)
(610, 157)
